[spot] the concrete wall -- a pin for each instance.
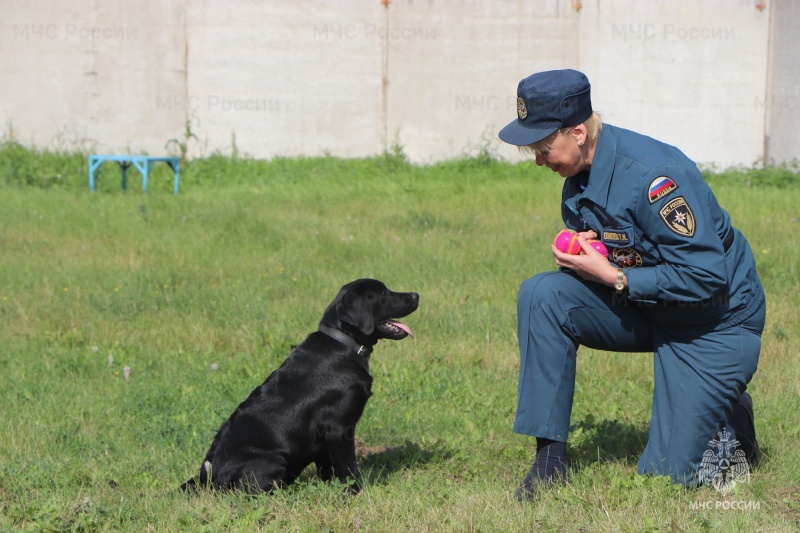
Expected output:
(287, 77)
(688, 73)
(80, 74)
(454, 87)
(781, 102)
(718, 78)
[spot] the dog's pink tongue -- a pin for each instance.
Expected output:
(401, 326)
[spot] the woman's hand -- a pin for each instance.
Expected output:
(591, 265)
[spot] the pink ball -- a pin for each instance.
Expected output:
(600, 247)
(567, 242)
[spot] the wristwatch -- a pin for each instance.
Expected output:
(620, 284)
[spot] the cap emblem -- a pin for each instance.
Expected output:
(522, 110)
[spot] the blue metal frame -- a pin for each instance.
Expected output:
(143, 164)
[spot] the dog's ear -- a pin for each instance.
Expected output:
(353, 309)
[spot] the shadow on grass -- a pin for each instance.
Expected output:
(378, 464)
(607, 440)
(612, 441)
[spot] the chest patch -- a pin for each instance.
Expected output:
(678, 217)
(660, 187)
(626, 257)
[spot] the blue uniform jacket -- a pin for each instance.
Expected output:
(661, 222)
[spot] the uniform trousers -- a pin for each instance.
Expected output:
(700, 371)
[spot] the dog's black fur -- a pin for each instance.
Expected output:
(307, 410)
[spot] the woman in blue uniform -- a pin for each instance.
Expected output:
(680, 281)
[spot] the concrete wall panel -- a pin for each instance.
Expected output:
(687, 73)
(454, 67)
(86, 73)
(781, 102)
(290, 79)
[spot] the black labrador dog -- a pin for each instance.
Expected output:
(307, 410)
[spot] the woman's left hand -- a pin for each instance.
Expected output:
(591, 265)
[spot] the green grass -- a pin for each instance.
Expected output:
(239, 267)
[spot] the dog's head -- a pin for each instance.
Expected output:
(367, 310)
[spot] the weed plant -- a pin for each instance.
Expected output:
(132, 324)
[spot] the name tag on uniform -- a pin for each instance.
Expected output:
(617, 236)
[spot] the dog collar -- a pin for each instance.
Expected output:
(360, 349)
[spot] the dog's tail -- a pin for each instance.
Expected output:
(192, 484)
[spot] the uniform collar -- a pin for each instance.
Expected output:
(602, 166)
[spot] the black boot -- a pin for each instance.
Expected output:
(742, 421)
(550, 466)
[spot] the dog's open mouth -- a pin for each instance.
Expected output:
(394, 329)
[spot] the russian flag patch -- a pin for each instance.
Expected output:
(660, 187)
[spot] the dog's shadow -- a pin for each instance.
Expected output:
(378, 464)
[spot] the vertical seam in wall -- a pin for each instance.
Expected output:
(768, 86)
(385, 79)
(186, 100)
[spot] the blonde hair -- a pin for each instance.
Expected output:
(593, 126)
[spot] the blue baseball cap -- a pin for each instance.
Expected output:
(546, 102)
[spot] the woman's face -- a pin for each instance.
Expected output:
(563, 154)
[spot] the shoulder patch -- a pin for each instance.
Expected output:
(678, 216)
(660, 187)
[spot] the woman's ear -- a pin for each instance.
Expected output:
(580, 133)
